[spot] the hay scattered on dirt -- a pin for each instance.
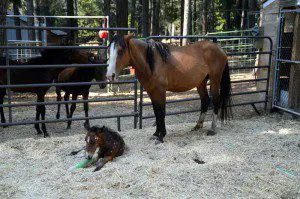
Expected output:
(253, 158)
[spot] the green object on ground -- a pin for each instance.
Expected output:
(83, 164)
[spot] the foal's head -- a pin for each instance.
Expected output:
(94, 140)
(119, 56)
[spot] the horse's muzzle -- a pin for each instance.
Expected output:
(111, 78)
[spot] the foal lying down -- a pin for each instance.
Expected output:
(108, 142)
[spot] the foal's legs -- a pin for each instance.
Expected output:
(86, 108)
(58, 99)
(66, 98)
(73, 107)
(158, 99)
(202, 90)
(41, 110)
(2, 94)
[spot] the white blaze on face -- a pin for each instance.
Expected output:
(111, 70)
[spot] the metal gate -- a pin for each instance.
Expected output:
(286, 95)
(233, 56)
(11, 105)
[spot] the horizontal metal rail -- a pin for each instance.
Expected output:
(70, 119)
(65, 84)
(69, 101)
(51, 66)
(57, 17)
(65, 28)
(288, 61)
(287, 110)
(53, 47)
(198, 110)
(198, 98)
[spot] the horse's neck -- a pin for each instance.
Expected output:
(138, 53)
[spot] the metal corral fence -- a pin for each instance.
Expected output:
(238, 44)
(236, 91)
(10, 104)
(287, 72)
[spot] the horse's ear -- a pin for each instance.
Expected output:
(87, 126)
(128, 37)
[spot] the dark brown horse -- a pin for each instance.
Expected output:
(39, 75)
(109, 143)
(162, 68)
(79, 74)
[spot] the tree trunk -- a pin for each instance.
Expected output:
(244, 14)
(186, 20)
(294, 84)
(195, 18)
(122, 15)
(204, 17)
(106, 12)
(228, 4)
(38, 12)
(145, 18)
(16, 7)
(155, 20)
(71, 22)
(133, 15)
(212, 18)
(3, 11)
(30, 20)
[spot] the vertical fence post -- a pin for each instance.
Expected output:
(8, 83)
(135, 109)
(141, 108)
(278, 52)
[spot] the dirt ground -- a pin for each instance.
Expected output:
(250, 157)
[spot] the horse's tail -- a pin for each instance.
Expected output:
(225, 94)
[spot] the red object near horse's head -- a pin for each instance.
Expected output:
(103, 34)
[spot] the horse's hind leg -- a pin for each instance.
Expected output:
(58, 99)
(215, 87)
(37, 118)
(66, 98)
(73, 107)
(86, 108)
(3, 92)
(202, 90)
(43, 113)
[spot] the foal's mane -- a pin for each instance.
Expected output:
(162, 48)
(120, 41)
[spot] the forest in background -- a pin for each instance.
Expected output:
(150, 17)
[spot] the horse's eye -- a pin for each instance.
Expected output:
(120, 52)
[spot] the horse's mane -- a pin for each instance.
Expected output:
(163, 50)
(120, 41)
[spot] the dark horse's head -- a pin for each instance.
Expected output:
(100, 71)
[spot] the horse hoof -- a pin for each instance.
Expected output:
(153, 137)
(46, 135)
(196, 128)
(5, 126)
(68, 127)
(158, 141)
(211, 133)
(57, 117)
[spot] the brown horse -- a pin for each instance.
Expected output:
(39, 75)
(162, 68)
(79, 74)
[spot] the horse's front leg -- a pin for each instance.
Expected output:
(73, 107)
(2, 94)
(58, 99)
(158, 99)
(86, 107)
